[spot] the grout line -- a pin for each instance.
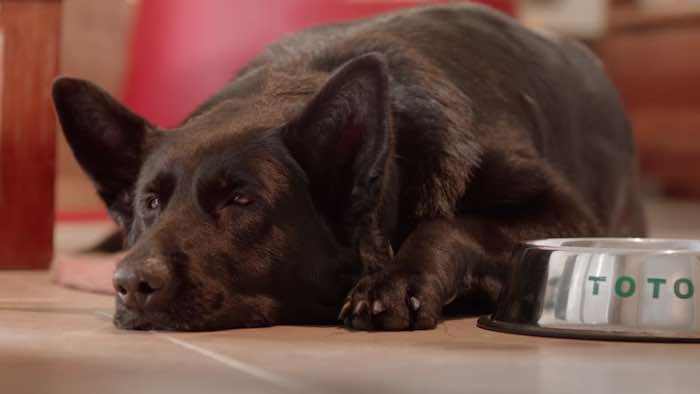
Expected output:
(238, 365)
(105, 314)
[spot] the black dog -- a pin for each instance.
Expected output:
(444, 134)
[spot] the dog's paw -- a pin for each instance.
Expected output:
(391, 300)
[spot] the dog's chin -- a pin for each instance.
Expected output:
(134, 320)
(129, 319)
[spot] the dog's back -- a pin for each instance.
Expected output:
(474, 96)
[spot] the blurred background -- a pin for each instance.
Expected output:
(163, 57)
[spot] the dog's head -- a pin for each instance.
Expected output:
(260, 209)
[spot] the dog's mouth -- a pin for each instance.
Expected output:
(167, 319)
(144, 320)
(129, 319)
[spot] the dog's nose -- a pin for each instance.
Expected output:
(142, 287)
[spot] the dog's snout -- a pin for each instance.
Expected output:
(143, 286)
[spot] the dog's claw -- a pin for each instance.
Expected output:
(361, 308)
(377, 307)
(414, 302)
(344, 311)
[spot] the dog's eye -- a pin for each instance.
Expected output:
(153, 203)
(240, 199)
(235, 199)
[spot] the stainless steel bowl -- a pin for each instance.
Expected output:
(603, 288)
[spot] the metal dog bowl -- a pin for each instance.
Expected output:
(603, 288)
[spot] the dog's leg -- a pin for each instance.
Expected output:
(425, 275)
(112, 243)
(447, 259)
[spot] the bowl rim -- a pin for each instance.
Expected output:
(559, 244)
(488, 322)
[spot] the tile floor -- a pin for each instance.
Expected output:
(55, 340)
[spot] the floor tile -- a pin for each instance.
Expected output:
(56, 340)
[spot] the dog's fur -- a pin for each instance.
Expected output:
(446, 134)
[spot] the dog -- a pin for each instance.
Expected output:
(377, 172)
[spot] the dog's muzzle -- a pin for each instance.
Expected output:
(143, 285)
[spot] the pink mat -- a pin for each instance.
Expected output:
(87, 272)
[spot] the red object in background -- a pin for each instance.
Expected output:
(183, 51)
(29, 43)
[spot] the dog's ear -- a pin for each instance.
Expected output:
(107, 139)
(343, 139)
